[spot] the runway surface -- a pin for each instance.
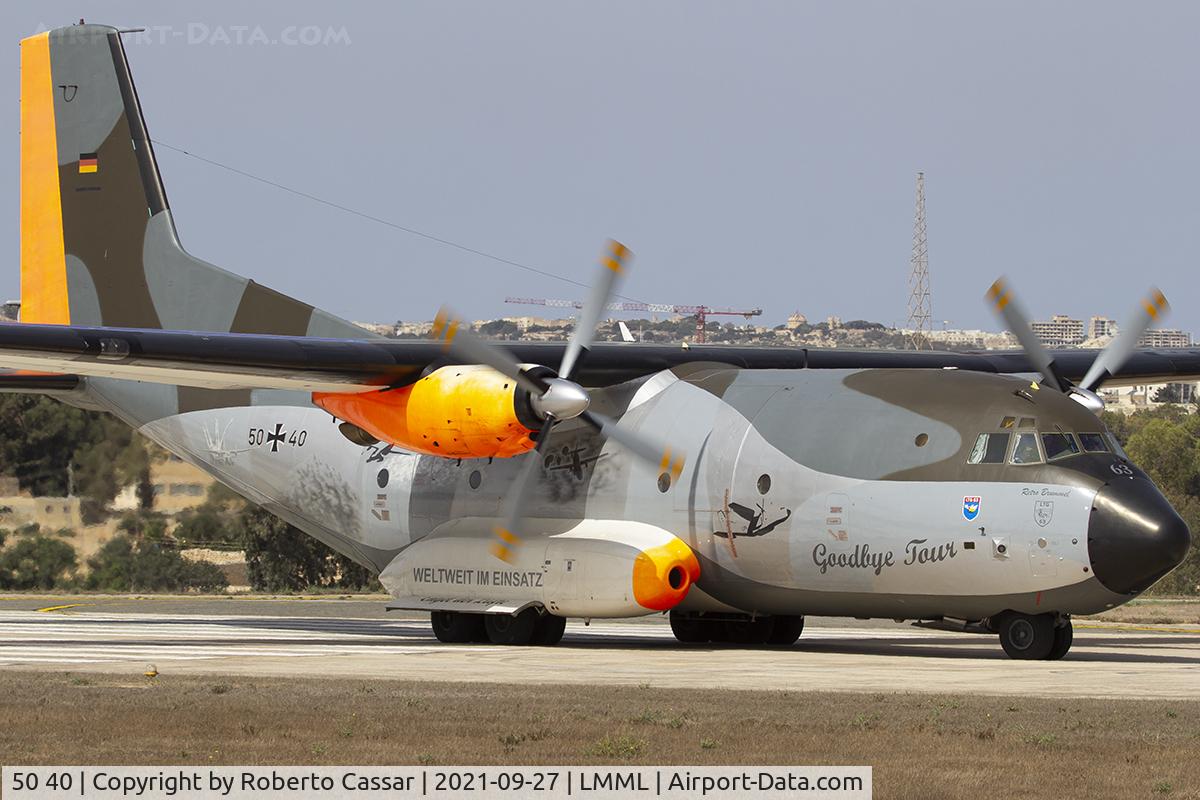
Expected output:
(357, 640)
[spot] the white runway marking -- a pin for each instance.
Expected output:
(29, 638)
(32, 638)
(1133, 661)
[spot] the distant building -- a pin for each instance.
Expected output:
(52, 513)
(1165, 337)
(177, 485)
(974, 339)
(795, 320)
(1099, 327)
(1060, 331)
(383, 329)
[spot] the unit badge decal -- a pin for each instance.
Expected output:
(970, 508)
(1043, 512)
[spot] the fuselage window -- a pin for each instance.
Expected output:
(989, 449)
(1093, 443)
(1025, 451)
(1059, 445)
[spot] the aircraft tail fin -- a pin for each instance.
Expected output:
(98, 242)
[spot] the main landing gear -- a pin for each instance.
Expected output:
(1034, 637)
(736, 629)
(530, 626)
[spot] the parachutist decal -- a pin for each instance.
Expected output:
(571, 461)
(753, 519)
(376, 454)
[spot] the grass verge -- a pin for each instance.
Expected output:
(920, 745)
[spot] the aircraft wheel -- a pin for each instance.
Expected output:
(510, 629)
(786, 631)
(1026, 636)
(691, 630)
(1063, 635)
(749, 631)
(549, 630)
(454, 627)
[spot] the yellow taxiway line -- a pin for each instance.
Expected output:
(61, 608)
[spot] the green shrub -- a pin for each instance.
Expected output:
(36, 562)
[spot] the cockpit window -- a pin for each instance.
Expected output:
(1059, 445)
(1093, 443)
(1027, 422)
(1025, 451)
(1116, 446)
(989, 449)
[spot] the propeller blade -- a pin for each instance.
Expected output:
(1005, 303)
(507, 540)
(665, 458)
(1153, 308)
(458, 338)
(612, 268)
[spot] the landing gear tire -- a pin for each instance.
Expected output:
(786, 631)
(455, 627)
(511, 629)
(749, 631)
(1027, 637)
(549, 630)
(1063, 635)
(690, 630)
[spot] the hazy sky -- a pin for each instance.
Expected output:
(750, 153)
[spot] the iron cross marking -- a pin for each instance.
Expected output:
(276, 437)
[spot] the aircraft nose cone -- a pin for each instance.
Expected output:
(1134, 536)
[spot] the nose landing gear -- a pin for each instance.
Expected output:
(1034, 637)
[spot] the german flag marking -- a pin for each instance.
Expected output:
(501, 552)
(88, 163)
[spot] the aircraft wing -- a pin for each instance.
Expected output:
(259, 361)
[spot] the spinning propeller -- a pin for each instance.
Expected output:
(1151, 308)
(553, 396)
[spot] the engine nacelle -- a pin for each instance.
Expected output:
(591, 568)
(465, 411)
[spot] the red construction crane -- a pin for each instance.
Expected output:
(701, 313)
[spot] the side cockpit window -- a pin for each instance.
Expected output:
(989, 449)
(1094, 443)
(1026, 451)
(1059, 445)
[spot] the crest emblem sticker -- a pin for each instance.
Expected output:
(970, 508)
(1043, 512)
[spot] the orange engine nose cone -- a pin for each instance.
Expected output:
(663, 575)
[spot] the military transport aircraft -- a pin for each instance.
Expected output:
(956, 488)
